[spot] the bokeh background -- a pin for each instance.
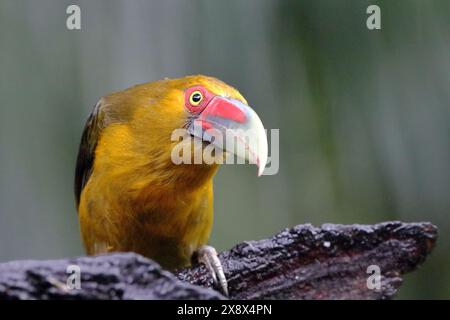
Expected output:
(364, 116)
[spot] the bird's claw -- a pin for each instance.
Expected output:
(208, 256)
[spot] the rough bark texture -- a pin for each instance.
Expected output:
(303, 262)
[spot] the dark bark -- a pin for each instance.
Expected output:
(303, 262)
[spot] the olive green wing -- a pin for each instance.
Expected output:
(86, 152)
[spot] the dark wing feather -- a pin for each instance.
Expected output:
(86, 152)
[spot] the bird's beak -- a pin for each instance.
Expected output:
(242, 132)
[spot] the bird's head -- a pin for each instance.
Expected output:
(143, 119)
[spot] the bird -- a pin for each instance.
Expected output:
(133, 195)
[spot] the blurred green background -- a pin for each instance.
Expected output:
(364, 116)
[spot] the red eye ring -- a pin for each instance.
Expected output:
(196, 98)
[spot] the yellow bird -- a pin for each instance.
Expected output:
(132, 192)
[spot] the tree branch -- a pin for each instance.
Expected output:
(303, 262)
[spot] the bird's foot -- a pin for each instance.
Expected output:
(208, 256)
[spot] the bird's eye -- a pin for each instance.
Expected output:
(195, 98)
